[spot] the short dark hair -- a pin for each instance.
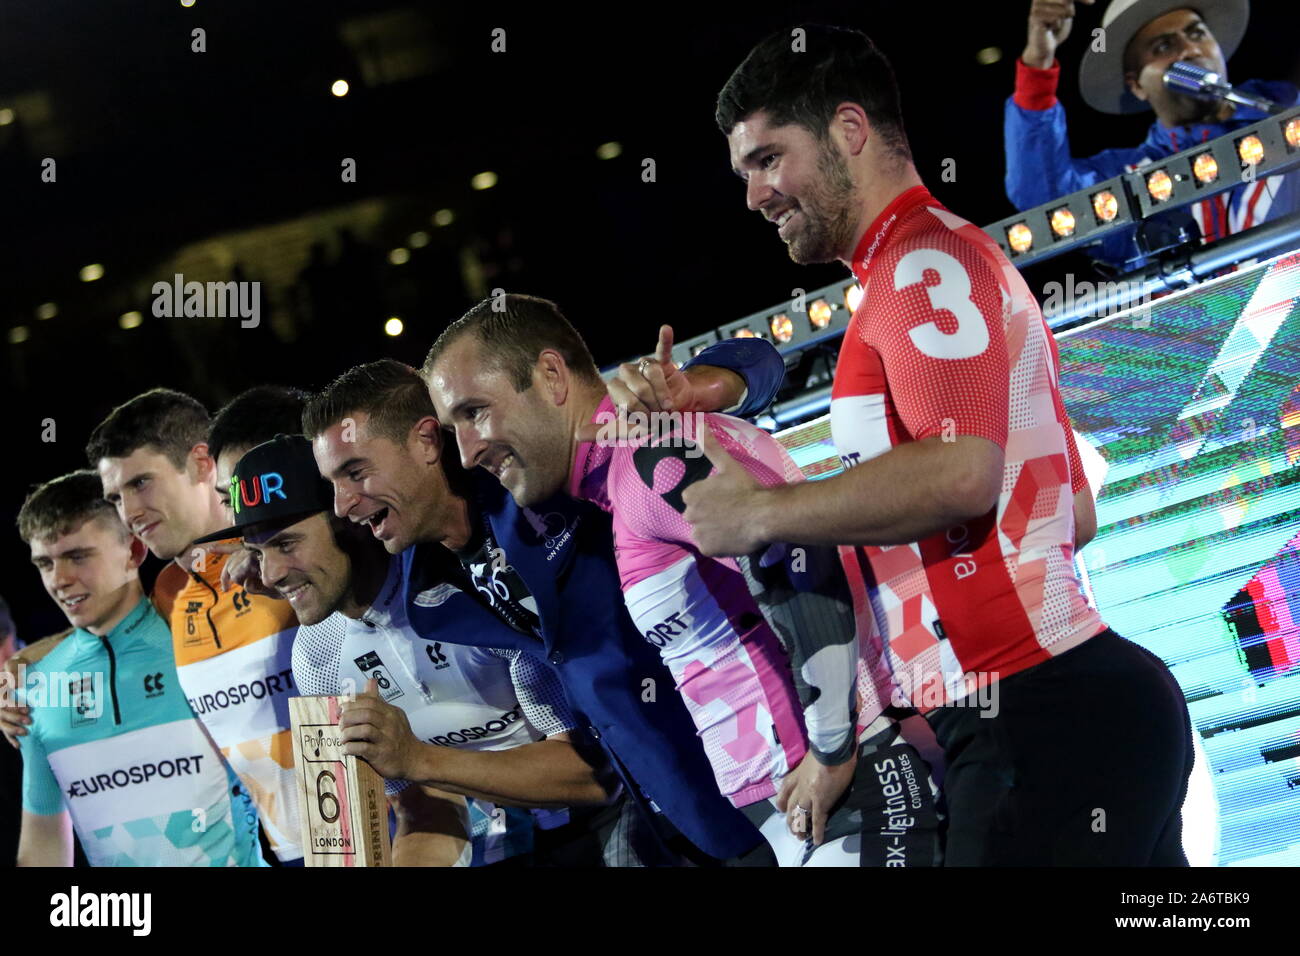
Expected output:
(62, 505)
(170, 421)
(514, 334)
(836, 65)
(394, 397)
(391, 393)
(256, 416)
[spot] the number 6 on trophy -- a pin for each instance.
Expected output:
(345, 814)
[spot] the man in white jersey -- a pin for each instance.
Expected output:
(501, 710)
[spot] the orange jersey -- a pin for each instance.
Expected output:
(233, 659)
(948, 341)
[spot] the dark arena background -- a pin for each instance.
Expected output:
(525, 170)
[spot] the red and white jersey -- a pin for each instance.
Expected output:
(948, 341)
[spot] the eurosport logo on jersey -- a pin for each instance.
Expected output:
(77, 691)
(281, 683)
(455, 738)
(139, 773)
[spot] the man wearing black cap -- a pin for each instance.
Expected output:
(457, 721)
(1123, 72)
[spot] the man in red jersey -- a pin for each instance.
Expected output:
(1065, 743)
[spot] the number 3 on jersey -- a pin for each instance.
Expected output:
(950, 294)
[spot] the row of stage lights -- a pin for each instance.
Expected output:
(817, 316)
(1085, 216)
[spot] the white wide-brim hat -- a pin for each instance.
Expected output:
(1101, 75)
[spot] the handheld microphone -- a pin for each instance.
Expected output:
(1193, 80)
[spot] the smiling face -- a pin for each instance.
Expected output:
(522, 438)
(304, 564)
(1177, 35)
(166, 507)
(388, 486)
(91, 572)
(798, 183)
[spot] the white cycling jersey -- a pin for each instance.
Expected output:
(454, 696)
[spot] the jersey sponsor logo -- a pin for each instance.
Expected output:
(370, 665)
(192, 636)
(123, 777)
(242, 600)
(670, 627)
(84, 696)
(552, 529)
(455, 738)
(436, 596)
(237, 694)
(875, 244)
(153, 685)
(436, 656)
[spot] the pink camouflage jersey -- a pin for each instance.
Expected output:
(948, 341)
(730, 667)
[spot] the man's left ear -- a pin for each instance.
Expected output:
(852, 124)
(554, 373)
(429, 431)
(204, 465)
(138, 552)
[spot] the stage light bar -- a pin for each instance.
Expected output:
(1258, 150)
(1264, 148)
(1065, 223)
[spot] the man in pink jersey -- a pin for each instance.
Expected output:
(1064, 743)
(517, 384)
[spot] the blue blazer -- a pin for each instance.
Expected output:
(613, 677)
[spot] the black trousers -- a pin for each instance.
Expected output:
(1085, 764)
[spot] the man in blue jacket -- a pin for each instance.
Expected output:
(1141, 39)
(548, 571)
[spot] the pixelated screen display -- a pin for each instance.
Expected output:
(1194, 403)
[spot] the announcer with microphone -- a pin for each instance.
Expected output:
(1126, 74)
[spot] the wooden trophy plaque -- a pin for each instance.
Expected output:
(344, 811)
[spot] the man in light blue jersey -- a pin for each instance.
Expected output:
(113, 749)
